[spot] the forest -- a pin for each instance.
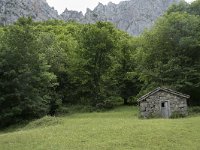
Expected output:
(45, 66)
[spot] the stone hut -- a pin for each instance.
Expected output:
(163, 102)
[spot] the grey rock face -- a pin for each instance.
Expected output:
(39, 10)
(132, 16)
(69, 15)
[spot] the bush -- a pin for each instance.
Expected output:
(194, 110)
(70, 109)
(177, 115)
(115, 100)
(107, 104)
(132, 101)
(44, 122)
(150, 116)
(62, 111)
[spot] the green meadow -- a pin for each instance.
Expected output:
(119, 129)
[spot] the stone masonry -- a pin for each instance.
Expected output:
(163, 102)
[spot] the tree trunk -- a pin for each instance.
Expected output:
(125, 101)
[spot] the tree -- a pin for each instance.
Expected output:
(95, 56)
(25, 81)
(180, 7)
(125, 67)
(184, 7)
(60, 45)
(171, 52)
(195, 7)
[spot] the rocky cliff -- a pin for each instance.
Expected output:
(39, 10)
(132, 16)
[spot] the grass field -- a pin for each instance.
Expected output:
(119, 129)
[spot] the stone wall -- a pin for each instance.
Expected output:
(151, 106)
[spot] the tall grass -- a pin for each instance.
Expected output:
(118, 129)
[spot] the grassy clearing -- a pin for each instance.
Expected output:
(119, 129)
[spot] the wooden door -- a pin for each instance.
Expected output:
(165, 109)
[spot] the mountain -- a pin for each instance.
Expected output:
(132, 16)
(39, 10)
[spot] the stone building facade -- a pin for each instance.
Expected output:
(163, 102)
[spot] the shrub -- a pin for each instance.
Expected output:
(70, 109)
(107, 104)
(177, 115)
(44, 122)
(62, 111)
(194, 110)
(132, 101)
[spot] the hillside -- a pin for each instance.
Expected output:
(131, 16)
(118, 129)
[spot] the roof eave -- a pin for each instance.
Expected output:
(164, 89)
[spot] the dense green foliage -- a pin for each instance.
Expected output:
(47, 65)
(25, 81)
(169, 54)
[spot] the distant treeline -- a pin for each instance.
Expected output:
(46, 65)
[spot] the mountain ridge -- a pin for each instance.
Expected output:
(132, 16)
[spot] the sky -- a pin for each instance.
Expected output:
(79, 5)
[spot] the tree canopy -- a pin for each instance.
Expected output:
(46, 65)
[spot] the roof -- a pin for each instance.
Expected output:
(165, 90)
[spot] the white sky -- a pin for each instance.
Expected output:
(79, 5)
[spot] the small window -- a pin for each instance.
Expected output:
(163, 104)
